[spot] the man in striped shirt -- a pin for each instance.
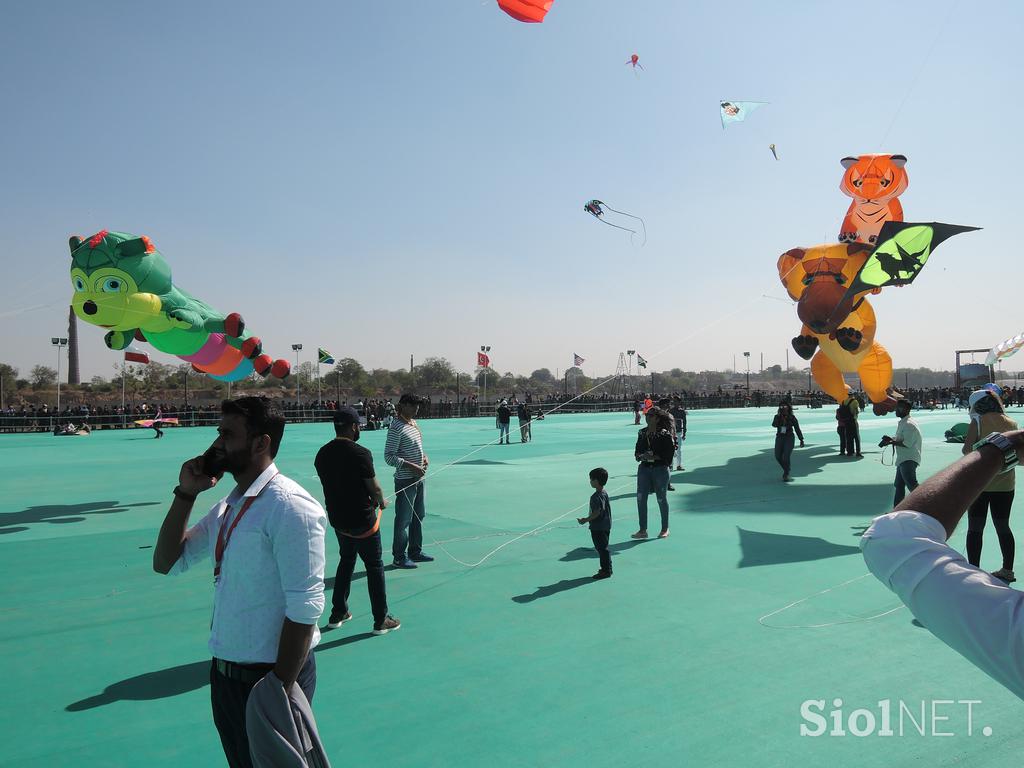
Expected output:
(404, 451)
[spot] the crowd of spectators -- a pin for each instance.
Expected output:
(378, 411)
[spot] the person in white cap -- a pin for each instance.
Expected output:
(987, 416)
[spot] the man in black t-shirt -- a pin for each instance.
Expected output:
(353, 497)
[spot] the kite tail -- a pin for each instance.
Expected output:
(643, 226)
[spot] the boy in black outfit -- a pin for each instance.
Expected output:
(353, 496)
(600, 520)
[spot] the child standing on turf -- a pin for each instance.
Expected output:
(600, 520)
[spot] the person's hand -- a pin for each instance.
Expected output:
(417, 470)
(382, 502)
(191, 479)
(426, 461)
(581, 520)
(801, 443)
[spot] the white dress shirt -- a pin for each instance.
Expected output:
(272, 568)
(970, 610)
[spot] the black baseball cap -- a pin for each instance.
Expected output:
(346, 414)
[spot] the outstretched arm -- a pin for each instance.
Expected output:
(971, 611)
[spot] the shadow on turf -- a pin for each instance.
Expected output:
(149, 686)
(587, 553)
(12, 522)
(743, 476)
(760, 548)
(174, 681)
(553, 589)
(347, 640)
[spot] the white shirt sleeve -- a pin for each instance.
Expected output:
(198, 540)
(297, 534)
(971, 611)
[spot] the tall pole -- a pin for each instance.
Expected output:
(787, 358)
(58, 380)
(73, 377)
(319, 393)
(124, 368)
(298, 379)
(458, 402)
(186, 386)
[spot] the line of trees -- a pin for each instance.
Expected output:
(349, 379)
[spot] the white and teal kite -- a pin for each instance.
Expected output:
(737, 111)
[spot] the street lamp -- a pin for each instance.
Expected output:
(747, 355)
(298, 377)
(485, 348)
(58, 343)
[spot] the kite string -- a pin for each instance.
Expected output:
(454, 462)
(795, 603)
(920, 70)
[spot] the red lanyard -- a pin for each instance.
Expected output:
(222, 540)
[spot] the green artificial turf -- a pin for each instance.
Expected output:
(523, 660)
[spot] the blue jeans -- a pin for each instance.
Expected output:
(409, 514)
(502, 430)
(906, 479)
(650, 477)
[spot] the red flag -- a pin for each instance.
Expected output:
(133, 354)
(482, 360)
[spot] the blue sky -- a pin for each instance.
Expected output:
(393, 178)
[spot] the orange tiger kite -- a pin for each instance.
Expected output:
(875, 183)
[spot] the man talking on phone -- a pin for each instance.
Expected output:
(266, 541)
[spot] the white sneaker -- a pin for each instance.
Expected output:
(336, 621)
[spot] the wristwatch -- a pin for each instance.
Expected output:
(1003, 443)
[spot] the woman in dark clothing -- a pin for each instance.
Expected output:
(654, 450)
(785, 424)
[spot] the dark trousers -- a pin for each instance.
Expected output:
(229, 698)
(369, 551)
(849, 439)
(600, 539)
(783, 450)
(999, 502)
(906, 480)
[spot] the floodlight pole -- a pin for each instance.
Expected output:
(298, 379)
(58, 343)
